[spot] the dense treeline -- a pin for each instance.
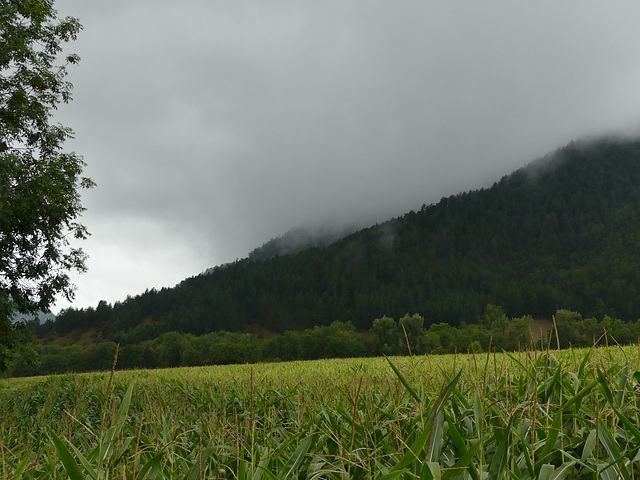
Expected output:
(562, 232)
(494, 331)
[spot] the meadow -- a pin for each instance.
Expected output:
(550, 414)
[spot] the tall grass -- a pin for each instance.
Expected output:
(532, 415)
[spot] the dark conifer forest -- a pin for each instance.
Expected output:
(560, 233)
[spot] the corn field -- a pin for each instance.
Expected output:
(531, 415)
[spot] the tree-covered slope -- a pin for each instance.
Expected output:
(563, 232)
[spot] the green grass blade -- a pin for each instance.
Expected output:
(622, 385)
(421, 441)
(107, 442)
(20, 468)
(628, 423)
(69, 463)
(448, 391)
(589, 445)
(577, 398)
(431, 471)
(550, 441)
(195, 473)
(478, 415)
(562, 471)
(465, 462)
(466, 455)
(393, 475)
(604, 386)
(85, 462)
(545, 471)
(404, 381)
(586, 466)
(268, 473)
(414, 451)
(147, 467)
(290, 469)
(612, 449)
(437, 435)
(515, 360)
(500, 459)
(121, 416)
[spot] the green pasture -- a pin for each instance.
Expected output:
(530, 415)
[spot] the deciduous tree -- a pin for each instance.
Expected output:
(39, 182)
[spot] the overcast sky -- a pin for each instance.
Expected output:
(211, 127)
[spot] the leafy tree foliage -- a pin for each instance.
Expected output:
(387, 335)
(494, 332)
(39, 183)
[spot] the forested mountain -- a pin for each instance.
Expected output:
(562, 232)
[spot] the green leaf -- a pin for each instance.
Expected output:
(121, 416)
(589, 445)
(153, 462)
(67, 459)
(628, 423)
(550, 441)
(290, 469)
(500, 459)
(431, 471)
(413, 452)
(478, 415)
(394, 474)
(20, 468)
(465, 460)
(107, 442)
(267, 473)
(546, 471)
(612, 449)
(622, 385)
(584, 363)
(435, 446)
(584, 465)
(580, 395)
(195, 473)
(84, 461)
(562, 471)
(404, 381)
(604, 386)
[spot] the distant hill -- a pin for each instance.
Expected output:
(562, 232)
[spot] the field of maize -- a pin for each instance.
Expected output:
(529, 415)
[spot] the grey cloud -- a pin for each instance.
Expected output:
(229, 123)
